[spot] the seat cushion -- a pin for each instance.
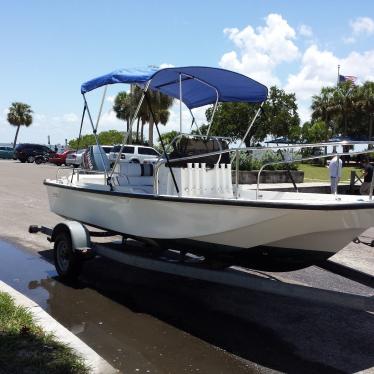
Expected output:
(132, 169)
(135, 181)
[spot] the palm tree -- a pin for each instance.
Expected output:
(160, 104)
(322, 105)
(123, 107)
(19, 114)
(365, 103)
(343, 103)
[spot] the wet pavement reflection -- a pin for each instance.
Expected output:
(147, 322)
(130, 340)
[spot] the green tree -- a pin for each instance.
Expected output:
(167, 137)
(84, 142)
(280, 118)
(347, 109)
(315, 132)
(365, 103)
(322, 107)
(19, 114)
(125, 105)
(109, 137)
(160, 104)
(343, 104)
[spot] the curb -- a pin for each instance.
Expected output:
(94, 361)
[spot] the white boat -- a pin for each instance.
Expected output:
(189, 202)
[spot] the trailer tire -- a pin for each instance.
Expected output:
(67, 263)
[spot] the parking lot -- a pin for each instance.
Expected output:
(164, 323)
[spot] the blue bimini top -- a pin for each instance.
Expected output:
(200, 85)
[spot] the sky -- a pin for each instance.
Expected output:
(49, 48)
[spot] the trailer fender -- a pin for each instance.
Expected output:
(80, 237)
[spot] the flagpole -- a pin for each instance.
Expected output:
(338, 74)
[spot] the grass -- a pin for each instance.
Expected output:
(26, 348)
(313, 173)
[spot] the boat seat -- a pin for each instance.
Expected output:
(134, 169)
(135, 174)
(187, 147)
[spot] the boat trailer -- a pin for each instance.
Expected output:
(73, 246)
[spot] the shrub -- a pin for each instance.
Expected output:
(248, 162)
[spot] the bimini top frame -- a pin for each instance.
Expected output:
(201, 86)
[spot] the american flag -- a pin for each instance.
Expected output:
(347, 78)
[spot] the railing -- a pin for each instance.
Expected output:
(78, 171)
(306, 159)
(237, 151)
(180, 136)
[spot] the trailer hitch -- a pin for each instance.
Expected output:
(357, 240)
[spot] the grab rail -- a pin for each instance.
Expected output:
(78, 171)
(305, 159)
(237, 151)
(248, 149)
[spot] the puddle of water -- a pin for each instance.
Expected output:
(117, 326)
(148, 322)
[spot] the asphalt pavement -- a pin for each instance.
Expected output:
(254, 331)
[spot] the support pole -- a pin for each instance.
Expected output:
(249, 127)
(213, 113)
(80, 133)
(125, 137)
(371, 187)
(101, 108)
(95, 135)
(289, 171)
(237, 173)
(337, 177)
(251, 124)
(162, 142)
(180, 103)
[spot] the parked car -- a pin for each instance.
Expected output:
(27, 152)
(107, 148)
(42, 159)
(6, 152)
(60, 158)
(74, 158)
(134, 153)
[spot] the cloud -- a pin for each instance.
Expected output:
(349, 40)
(111, 99)
(70, 118)
(359, 26)
(260, 50)
(305, 30)
(319, 68)
(166, 65)
(173, 123)
(362, 25)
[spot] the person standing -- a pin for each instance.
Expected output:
(335, 170)
(368, 175)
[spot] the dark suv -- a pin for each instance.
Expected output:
(27, 152)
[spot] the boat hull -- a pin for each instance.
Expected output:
(217, 226)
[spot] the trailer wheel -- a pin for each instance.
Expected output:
(67, 263)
